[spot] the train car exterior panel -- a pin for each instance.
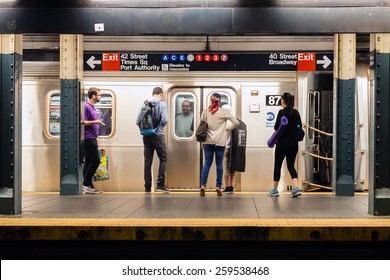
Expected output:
(260, 118)
(252, 95)
(40, 154)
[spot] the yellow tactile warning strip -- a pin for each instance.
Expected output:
(195, 222)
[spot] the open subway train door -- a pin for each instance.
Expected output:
(185, 154)
(318, 99)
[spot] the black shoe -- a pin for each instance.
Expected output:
(148, 190)
(228, 189)
(162, 189)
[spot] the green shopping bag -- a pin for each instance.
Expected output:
(101, 172)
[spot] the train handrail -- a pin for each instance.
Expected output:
(317, 185)
(320, 131)
(317, 156)
(360, 125)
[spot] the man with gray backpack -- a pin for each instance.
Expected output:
(151, 119)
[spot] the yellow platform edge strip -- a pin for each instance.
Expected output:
(98, 222)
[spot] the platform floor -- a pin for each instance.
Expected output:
(189, 205)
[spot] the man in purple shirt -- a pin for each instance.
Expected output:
(91, 130)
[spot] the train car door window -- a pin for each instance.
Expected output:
(225, 98)
(184, 115)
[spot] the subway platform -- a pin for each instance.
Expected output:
(185, 218)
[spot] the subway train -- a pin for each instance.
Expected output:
(254, 96)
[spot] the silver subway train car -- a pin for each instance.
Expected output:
(252, 95)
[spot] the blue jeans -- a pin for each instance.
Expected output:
(209, 151)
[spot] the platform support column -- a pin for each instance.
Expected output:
(11, 57)
(344, 126)
(379, 186)
(71, 58)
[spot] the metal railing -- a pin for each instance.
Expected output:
(316, 156)
(316, 185)
(319, 131)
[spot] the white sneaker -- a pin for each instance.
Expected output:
(90, 190)
(97, 190)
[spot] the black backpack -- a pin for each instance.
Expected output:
(148, 119)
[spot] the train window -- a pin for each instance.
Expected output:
(184, 105)
(105, 109)
(54, 114)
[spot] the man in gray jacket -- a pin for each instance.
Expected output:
(156, 142)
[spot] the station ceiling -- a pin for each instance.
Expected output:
(189, 3)
(194, 17)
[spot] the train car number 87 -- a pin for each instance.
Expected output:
(273, 100)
